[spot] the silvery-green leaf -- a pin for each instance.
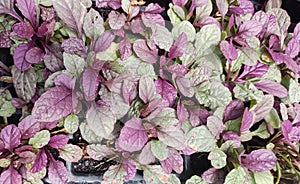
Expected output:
(6, 107)
(263, 107)
(126, 6)
(294, 91)
(159, 150)
(273, 4)
(45, 2)
(184, 27)
(93, 24)
(167, 116)
(201, 140)
(175, 19)
(145, 69)
(189, 56)
(88, 134)
(247, 91)
(273, 73)
(246, 136)
(71, 123)
(262, 131)
(273, 118)
(40, 139)
(155, 174)
(203, 11)
(217, 158)
(115, 173)
(235, 176)
(70, 153)
(263, 177)
(283, 22)
(179, 12)
(250, 56)
(110, 54)
(162, 37)
(73, 63)
(195, 180)
(4, 162)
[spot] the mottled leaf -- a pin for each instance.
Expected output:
(260, 160)
(11, 137)
(90, 83)
(201, 139)
(40, 139)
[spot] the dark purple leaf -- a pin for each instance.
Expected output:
(133, 136)
(125, 49)
(104, 41)
(257, 70)
(213, 175)
(260, 160)
(166, 90)
(114, 4)
(130, 168)
(182, 112)
(180, 3)
(53, 58)
(23, 30)
(5, 41)
(293, 48)
(179, 46)
(34, 55)
(198, 116)
(19, 57)
(11, 137)
(53, 105)
(233, 110)
(23, 148)
(174, 162)
(249, 29)
(10, 176)
(40, 161)
(116, 20)
(272, 88)
(29, 127)
(90, 83)
(228, 50)
(57, 171)
(143, 51)
(28, 9)
(146, 156)
(247, 121)
(74, 46)
(232, 136)
(64, 81)
(129, 91)
(58, 141)
(286, 128)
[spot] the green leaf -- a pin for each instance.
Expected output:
(4, 162)
(262, 131)
(201, 139)
(162, 37)
(273, 4)
(283, 22)
(71, 123)
(6, 107)
(263, 177)
(236, 176)
(126, 6)
(73, 63)
(249, 56)
(93, 24)
(273, 118)
(40, 139)
(154, 174)
(24, 83)
(35, 178)
(263, 108)
(217, 158)
(247, 92)
(167, 116)
(207, 39)
(175, 19)
(213, 95)
(294, 92)
(110, 54)
(70, 153)
(179, 12)
(184, 27)
(203, 11)
(145, 69)
(195, 180)
(115, 174)
(88, 134)
(273, 73)
(159, 150)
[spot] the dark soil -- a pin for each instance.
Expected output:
(91, 166)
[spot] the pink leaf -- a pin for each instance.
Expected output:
(180, 3)
(257, 70)
(114, 4)
(182, 112)
(19, 57)
(23, 30)
(64, 81)
(74, 46)
(58, 141)
(133, 136)
(29, 127)
(90, 83)
(146, 89)
(272, 88)
(57, 172)
(166, 90)
(249, 29)
(11, 137)
(228, 50)
(129, 91)
(125, 49)
(178, 69)
(10, 176)
(286, 128)
(104, 41)
(174, 162)
(293, 48)
(247, 121)
(28, 9)
(142, 50)
(260, 160)
(34, 55)
(40, 161)
(179, 46)
(130, 168)
(53, 105)
(232, 136)
(116, 20)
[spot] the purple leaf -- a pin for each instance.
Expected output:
(294, 135)
(114, 4)
(297, 32)
(34, 55)
(18, 103)
(257, 70)
(222, 7)
(104, 41)
(10, 176)
(293, 48)
(263, 108)
(22, 149)
(11, 137)
(116, 20)
(185, 86)
(137, 25)
(180, 3)
(5, 41)
(64, 80)
(228, 50)
(213, 175)
(232, 136)
(249, 29)
(130, 168)
(143, 51)
(233, 110)
(179, 46)
(54, 58)
(53, 105)
(90, 83)
(40, 161)
(272, 88)
(125, 49)
(133, 136)
(74, 46)
(166, 90)
(154, 8)
(178, 69)
(146, 89)
(26, 157)
(286, 128)
(146, 156)
(58, 141)
(268, 22)
(48, 125)
(182, 112)
(19, 57)
(57, 171)
(207, 21)
(260, 160)
(29, 127)
(247, 121)
(129, 91)
(149, 19)
(195, 4)
(28, 9)
(98, 151)
(198, 116)
(23, 30)
(174, 161)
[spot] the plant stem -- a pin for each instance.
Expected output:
(279, 173)
(112, 158)
(58, 131)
